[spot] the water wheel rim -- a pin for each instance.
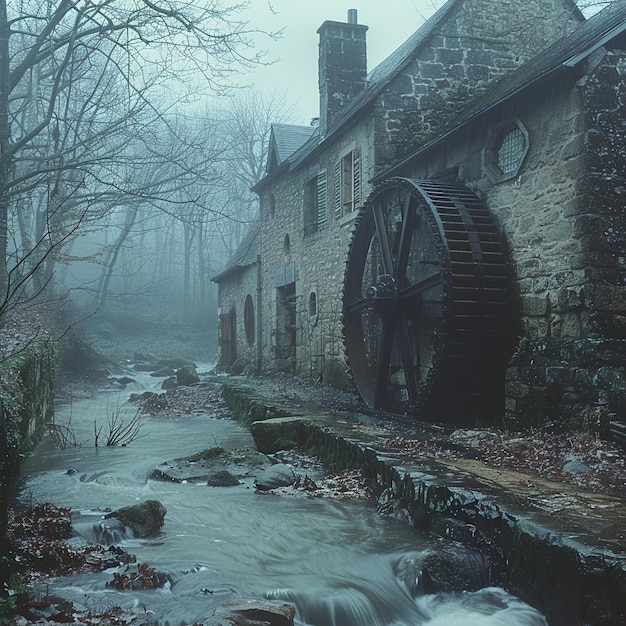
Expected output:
(404, 224)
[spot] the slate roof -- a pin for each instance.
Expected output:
(289, 138)
(285, 139)
(565, 53)
(246, 253)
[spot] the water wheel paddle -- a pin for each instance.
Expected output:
(427, 303)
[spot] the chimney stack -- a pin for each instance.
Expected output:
(342, 67)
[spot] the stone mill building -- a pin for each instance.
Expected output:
(450, 237)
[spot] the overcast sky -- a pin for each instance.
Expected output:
(390, 23)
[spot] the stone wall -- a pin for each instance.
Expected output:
(318, 259)
(478, 45)
(571, 366)
(232, 294)
(26, 403)
(602, 223)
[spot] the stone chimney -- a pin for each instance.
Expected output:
(342, 67)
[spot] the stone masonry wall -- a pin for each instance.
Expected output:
(571, 364)
(233, 293)
(470, 51)
(319, 260)
(26, 402)
(602, 225)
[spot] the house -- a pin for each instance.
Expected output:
(236, 297)
(450, 236)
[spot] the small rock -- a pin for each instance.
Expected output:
(164, 372)
(222, 478)
(169, 383)
(275, 476)
(187, 375)
(576, 467)
(255, 612)
(123, 381)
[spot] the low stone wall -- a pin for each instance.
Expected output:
(561, 564)
(26, 403)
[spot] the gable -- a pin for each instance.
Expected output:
(605, 26)
(285, 139)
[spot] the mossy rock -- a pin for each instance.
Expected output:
(187, 375)
(144, 519)
(204, 455)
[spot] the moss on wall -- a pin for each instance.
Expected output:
(26, 403)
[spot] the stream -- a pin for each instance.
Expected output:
(336, 561)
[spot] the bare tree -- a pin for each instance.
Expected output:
(78, 80)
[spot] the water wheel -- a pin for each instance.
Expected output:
(427, 313)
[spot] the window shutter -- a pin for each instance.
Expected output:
(356, 168)
(337, 182)
(322, 200)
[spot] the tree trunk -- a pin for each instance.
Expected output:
(5, 138)
(129, 222)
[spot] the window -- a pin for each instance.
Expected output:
(312, 304)
(505, 151)
(315, 201)
(248, 319)
(348, 183)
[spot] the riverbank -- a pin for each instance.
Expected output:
(507, 495)
(547, 508)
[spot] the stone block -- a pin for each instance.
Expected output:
(559, 375)
(569, 298)
(535, 306)
(276, 434)
(574, 147)
(432, 70)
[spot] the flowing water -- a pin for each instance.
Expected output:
(336, 561)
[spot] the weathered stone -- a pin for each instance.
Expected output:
(144, 519)
(123, 380)
(239, 366)
(275, 434)
(163, 372)
(169, 383)
(574, 466)
(275, 476)
(252, 612)
(187, 375)
(222, 478)
(449, 567)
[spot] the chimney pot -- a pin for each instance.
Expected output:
(352, 16)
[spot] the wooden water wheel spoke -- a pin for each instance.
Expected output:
(383, 240)
(356, 306)
(409, 364)
(383, 361)
(408, 293)
(406, 234)
(421, 258)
